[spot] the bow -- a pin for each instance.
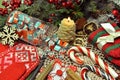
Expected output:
(109, 38)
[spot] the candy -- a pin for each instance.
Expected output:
(28, 24)
(57, 48)
(73, 57)
(95, 69)
(93, 56)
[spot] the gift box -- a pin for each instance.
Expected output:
(17, 62)
(107, 39)
(29, 29)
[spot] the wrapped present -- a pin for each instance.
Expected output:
(59, 70)
(29, 29)
(19, 61)
(107, 39)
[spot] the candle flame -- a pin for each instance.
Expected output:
(69, 19)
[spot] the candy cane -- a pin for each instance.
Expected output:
(95, 69)
(73, 57)
(94, 57)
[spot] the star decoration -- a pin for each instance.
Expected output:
(8, 35)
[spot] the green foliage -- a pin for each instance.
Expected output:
(42, 10)
(3, 20)
(92, 6)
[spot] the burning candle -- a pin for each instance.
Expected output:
(66, 31)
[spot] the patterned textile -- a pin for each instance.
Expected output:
(20, 53)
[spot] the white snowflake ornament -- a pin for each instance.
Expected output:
(8, 35)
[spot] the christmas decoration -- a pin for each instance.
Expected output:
(66, 31)
(8, 35)
(66, 4)
(89, 28)
(93, 56)
(107, 39)
(79, 41)
(36, 32)
(59, 70)
(116, 15)
(11, 5)
(95, 69)
(30, 30)
(21, 54)
(57, 73)
(80, 23)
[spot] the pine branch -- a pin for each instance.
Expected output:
(3, 20)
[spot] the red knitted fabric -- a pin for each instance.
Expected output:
(3, 47)
(20, 53)
(111, 50)
(13, 72)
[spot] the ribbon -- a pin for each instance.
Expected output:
(109, 38)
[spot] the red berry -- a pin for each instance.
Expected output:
(50, 1)
(1, 9)
(68, 3)
(3, 3)
(15, 6)
(11, 2)
(72, 6)
(50, 20)
(64, 4)
(53, 14)
(56, 1)
(29, 2)
(5, 11)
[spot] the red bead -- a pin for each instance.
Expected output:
(59, 72)
(115, 12)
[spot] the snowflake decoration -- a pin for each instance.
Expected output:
(8, 35)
